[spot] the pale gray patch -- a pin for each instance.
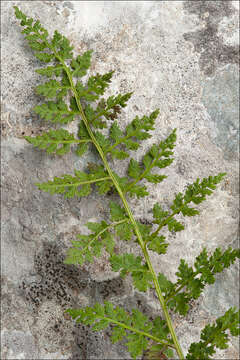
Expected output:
(221, 99)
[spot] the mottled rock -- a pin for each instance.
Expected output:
(209, 41)
(177, 56)
(221, 99)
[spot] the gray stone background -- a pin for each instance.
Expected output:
(179, 56)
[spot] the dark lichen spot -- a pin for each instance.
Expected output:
(207, 42)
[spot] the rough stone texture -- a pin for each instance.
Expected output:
(179, 56)
(209, 41)
(220, 97)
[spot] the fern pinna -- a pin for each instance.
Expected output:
(69, 99)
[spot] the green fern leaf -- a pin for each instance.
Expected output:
(45, 57)
(124, 231)
(159, 214)
(111, 107)
(166, 285)
(82, 148)
(92, 119)
(35, 33)
(138, 190)
(61, 46)
(215, 336)
(98, 172)
(117, 212)
(119, 154)
(55, 112)
(115, 131)
(129, 263)
(174, 225)
(96, 86)
(158, 244)
(134, 326)
(193, 280)
(136, 130)
(102, 140)
(50, 71)
(154, 178)
(195, 193)
(153, 158)
(90, 246)
(52, 140)
(134, 169)
(81, 64)
(50, 89)
(82, 131)
(70, 186)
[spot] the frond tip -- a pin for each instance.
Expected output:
(192, 281)
(215, 336)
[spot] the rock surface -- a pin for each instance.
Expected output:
(178, 56)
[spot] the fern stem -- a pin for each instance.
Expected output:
(130, 328)
(127, 208)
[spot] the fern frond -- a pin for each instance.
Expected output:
(129, 263)
(111, 107)
(64, 81)
(37, 38)
(157, 156)
(90, 246)
(134, 326)
(215, 336)
(124, 230)
(163, 218)
(81, 64)
(50, 71)
(60, 46)
(55, 141)
(56, 112)
(195, 193)
(157, 243)
(36, 34)
(52, 88)
(96, 122)
(137, 130)
(193, 280)
(95, 87)
(78, 185)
